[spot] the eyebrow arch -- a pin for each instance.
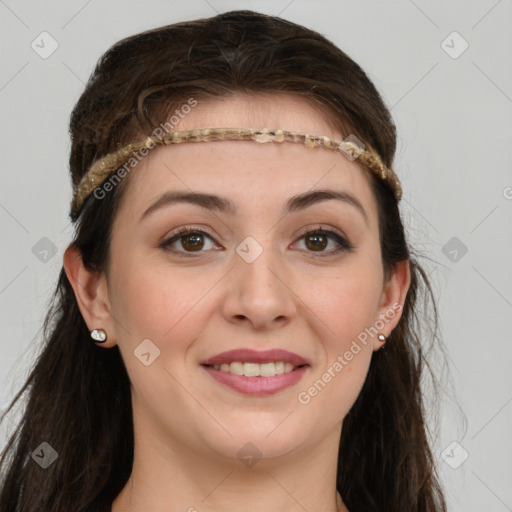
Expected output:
(224, 205)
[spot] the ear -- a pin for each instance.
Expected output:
(91, 294)
(392, 301)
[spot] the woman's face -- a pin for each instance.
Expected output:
(248, 277)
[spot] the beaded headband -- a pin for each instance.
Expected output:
(351, 147)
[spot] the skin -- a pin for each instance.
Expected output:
(188, 427)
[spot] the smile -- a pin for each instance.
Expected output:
(255, 382)
(255, 369)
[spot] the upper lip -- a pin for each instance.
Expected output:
(256, 356)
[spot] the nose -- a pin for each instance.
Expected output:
(259, 292)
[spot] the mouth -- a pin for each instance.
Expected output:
(256, 373)
(256, 379)
(246, 369)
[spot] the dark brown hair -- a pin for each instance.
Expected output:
(78, 395)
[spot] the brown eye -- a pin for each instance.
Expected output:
(316, 241)
(188, 240)
(192, 242)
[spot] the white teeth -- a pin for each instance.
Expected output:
(251, 369)
(255, 369)
(267, 369)
(236, 368)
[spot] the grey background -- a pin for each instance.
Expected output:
(453, 113)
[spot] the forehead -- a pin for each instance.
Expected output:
(248, 171)
(281, 110)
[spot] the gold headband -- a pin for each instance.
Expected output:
(102, 168)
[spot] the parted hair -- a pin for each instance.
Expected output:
(77, 395)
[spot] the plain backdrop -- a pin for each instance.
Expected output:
(444, 70)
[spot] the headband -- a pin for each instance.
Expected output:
(128, 156)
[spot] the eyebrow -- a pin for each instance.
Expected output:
(226, 206)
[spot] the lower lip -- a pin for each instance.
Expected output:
(257, 385)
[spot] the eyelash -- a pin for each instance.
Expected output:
(343, 244)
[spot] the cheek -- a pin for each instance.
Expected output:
(347, 314)
(344, 307)
(158, 303)
(346, 302)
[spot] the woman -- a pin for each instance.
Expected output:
(217, 336)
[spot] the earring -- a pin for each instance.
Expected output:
(99, 335)
(383, 339)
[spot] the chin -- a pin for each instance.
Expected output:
(268, 436)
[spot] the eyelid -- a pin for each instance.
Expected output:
(321, 227)
(187, 229)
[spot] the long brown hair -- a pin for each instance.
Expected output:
(78, 395)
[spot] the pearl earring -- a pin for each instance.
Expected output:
(99, 335)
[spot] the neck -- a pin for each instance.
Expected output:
(170, 477)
